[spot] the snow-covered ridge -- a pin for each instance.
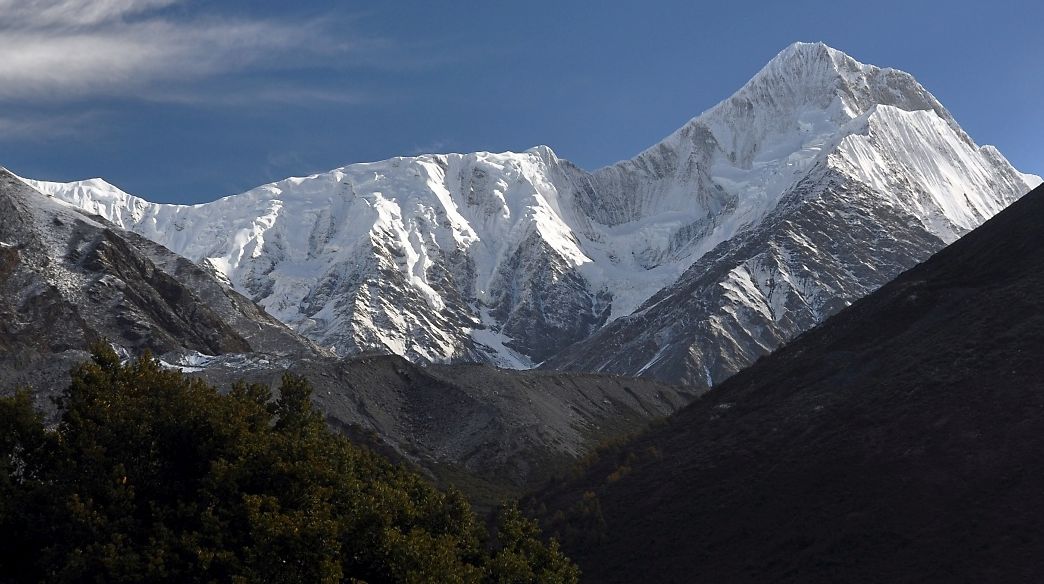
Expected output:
(511, 257)
(957, 183)
(418, 217)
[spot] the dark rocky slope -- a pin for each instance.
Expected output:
(68, 279)
(900, 441)
(492, 432)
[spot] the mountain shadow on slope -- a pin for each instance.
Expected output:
(900, 441)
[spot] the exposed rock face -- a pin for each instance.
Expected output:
(68, 280)
(754, 292)
(518, 259)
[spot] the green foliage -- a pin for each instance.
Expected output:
(579, 523)
(582, 524)
(152, 476)
(521, 556)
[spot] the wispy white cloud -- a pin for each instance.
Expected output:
(263, 95)
(432, 147)
(68, 49)
(46, 128)
(73, 13)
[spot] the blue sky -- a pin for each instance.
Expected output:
(186, 101)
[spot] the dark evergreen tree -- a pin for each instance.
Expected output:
(152, 476)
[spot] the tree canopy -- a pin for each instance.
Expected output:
(154, 476)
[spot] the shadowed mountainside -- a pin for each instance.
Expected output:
(900, 441)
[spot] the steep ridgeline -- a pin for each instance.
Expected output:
(737, 232)
(68, 279)
(902, 440)
(835, 177)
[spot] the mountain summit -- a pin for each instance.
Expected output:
(834, 177)
(745, 227)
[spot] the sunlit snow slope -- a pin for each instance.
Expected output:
(522, 258)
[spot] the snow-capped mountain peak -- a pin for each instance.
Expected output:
(514, 257)
(807, 90)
